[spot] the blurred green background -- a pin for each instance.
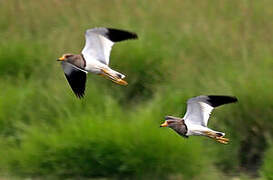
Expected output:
(185, 48)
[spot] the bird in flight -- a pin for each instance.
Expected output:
(94, 58)
(195, 121)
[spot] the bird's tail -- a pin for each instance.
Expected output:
(219, 134)
(118, 74)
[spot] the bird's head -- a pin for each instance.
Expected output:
(170, 123)
(66, 57)
(75, 59)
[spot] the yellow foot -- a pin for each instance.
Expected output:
(222, 140)
(121, 82)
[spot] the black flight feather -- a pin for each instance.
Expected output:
(116, 35)
(76, 78)
(215, 100)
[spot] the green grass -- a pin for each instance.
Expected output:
(185, 48)
(266, 170)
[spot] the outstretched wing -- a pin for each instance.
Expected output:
(200, 107)
(75, 77)
(99, 42)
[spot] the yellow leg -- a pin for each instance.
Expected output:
(216, 137)
(105, 73)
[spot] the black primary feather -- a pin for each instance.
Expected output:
(215, 100)
(117, 35)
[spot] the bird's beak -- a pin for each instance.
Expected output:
(165, 124)
(61, 58)
(113, 78)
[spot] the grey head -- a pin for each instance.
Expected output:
(75, 59)
(177, 124)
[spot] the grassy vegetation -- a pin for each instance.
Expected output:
(266, 169)
(185, 48)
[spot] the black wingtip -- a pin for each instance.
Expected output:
(218, 100)
(77, 80)
(117, 35)
(79, 90)
(79, 95)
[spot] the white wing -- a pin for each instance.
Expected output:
(198, 111)
(97, 47)
(99, 42)
(200, 107)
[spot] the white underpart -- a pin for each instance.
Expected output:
(96, 67)
(198, 130)
(197, 116)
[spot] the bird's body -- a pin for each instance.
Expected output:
(194, 123)
(94, 58)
